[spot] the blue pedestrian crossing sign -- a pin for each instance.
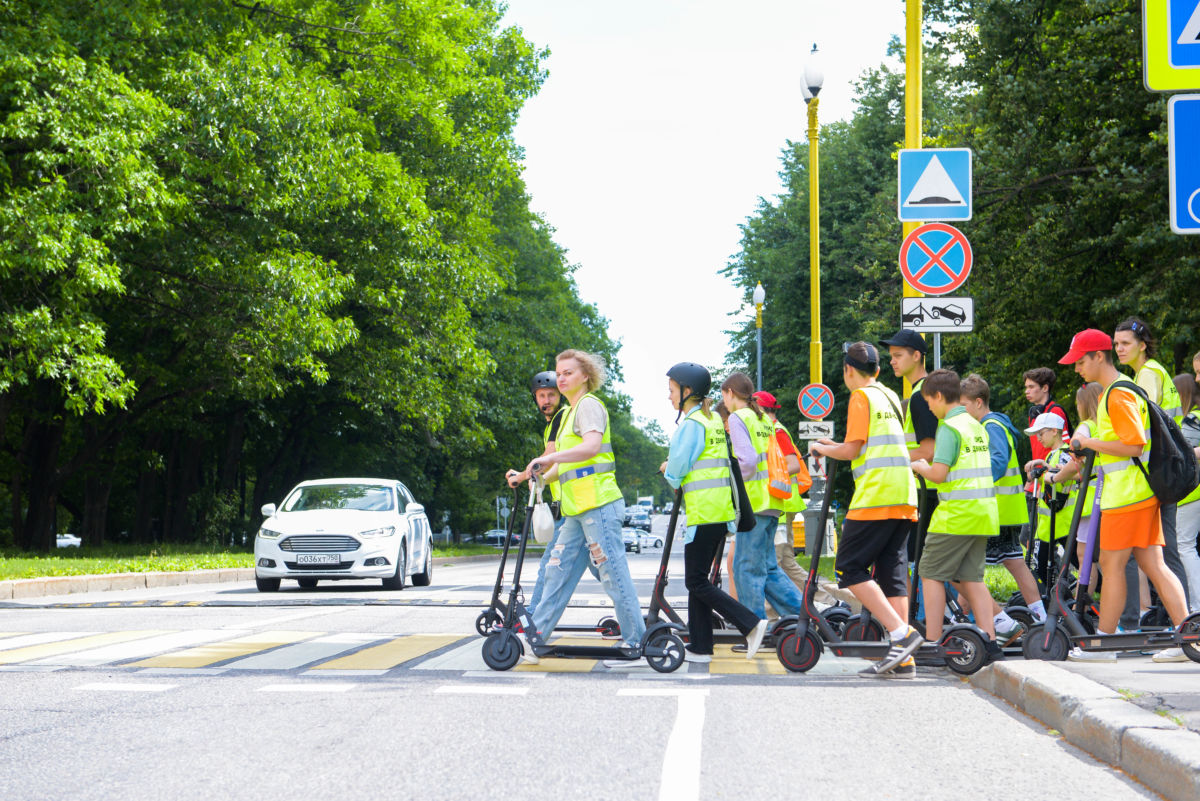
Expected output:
(1171, 45)
(934, 184)
(1183, 145)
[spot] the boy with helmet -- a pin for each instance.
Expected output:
(698, 463)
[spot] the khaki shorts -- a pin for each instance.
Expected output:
(953, 557)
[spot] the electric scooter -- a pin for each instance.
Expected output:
(661, 644)
(801, 643)
(1063, 628)
(488, 618)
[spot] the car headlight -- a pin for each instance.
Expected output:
(268, 534)
(386, 531)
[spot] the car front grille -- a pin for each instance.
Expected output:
(319, 568)
(318, 543)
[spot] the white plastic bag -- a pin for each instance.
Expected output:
(542, 523)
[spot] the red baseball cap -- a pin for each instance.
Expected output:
(1087, 341)
(766, 400)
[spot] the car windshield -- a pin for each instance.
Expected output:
(363, 497)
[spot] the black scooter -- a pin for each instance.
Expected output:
(494, 614)
(803, 638)
(661, 644)
(1053, 639)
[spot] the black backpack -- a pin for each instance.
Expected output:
(1173, 472)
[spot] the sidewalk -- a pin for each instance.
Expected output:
(1136, 715)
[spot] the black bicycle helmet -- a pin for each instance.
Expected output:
(547, 379)
(693, 376)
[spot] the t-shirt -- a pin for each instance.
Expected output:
(925, 422)
(858, 426)
(555, 422)
(1037, 449)
(948, 443)
(591, 416)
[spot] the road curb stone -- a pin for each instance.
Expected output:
(1099, 720)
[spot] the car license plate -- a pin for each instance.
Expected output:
(317, 559)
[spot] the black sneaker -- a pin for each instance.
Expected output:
(905, 670)
(994, 652)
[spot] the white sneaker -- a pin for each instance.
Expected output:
(527, 654)
(640, 662)
(1170, 655)
(1080, 655)
(702, 659)
(754, 639)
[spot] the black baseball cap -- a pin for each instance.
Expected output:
(906, 338)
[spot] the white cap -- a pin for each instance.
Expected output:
(1043, 421)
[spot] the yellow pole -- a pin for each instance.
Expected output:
(814, 247)
(912, 112)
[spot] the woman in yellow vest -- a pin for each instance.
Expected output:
(699, 463)
(755, 569)
(592, 506)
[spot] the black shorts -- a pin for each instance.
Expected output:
(1005, 545)
(926, 510)
(878, 543)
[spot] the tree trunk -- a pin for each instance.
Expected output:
(96, 490)
(44, 441)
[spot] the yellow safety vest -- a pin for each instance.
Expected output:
(1062, 520)
(555, 492)
(1171, 403)
(794, 503)
(881, 471)
(1084, 429)
(1124, 484)
(761, 430)
(967, 498)
(586, 485)
(1010, 495)
(707, 487)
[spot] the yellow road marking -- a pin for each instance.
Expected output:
(726, 662)
(389, 654)
(551, 664)
(76, 644)
(203, 655)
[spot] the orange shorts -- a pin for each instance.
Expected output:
(1136, 526)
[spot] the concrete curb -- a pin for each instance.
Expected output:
(15, 589)
(1152, 749)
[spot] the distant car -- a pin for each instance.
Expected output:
(344, 528)
(950, 311)
(495, 537)
(638, 518)
(68, 541)
(633, 539)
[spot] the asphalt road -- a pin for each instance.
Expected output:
(349, 691)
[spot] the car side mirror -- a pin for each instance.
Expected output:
(414, 509)
(268, 509)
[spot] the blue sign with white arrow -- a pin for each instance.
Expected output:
(1183, 25)
(1183, 132)
(934, 184)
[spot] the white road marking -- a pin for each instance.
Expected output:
(40, 638)
(170, 671)
(681, 763)
(112, 687)
(135, 649)
(323, 687)
(480, 689)
(502, 674)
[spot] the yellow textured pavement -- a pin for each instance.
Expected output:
(73, 644)
(204, 655)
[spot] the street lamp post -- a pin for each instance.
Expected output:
(760, 295)
(814, 77)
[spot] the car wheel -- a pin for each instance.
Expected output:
(307, 583)
(423, 578)
(266, 584)
(658, 543)
(396, 581)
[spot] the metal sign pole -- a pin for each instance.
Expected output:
(937, 351)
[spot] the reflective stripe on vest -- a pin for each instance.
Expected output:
(967, 498)
(793, 503)
(761, 431)
(1010, 496)
(882, 472)
(1124, 484)
(707, 487)
(1062, 520)
(586, 485)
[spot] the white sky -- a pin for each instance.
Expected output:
(659, 128)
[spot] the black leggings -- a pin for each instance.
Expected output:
(703, 596)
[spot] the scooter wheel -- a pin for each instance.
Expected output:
(810, 649)
(1036, 646)
(501, 650)
(965, 651)
(484, 623)
(858, 630)
(664, 652)
(1155, 617)
(837, 617)
(609, 627)
(1190, 627)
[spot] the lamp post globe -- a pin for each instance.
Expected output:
(760, 296)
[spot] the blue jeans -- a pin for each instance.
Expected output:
(539, 584)
(593, 536)
(757, 574)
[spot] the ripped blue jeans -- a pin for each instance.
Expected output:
(593, 536)
(540, 583)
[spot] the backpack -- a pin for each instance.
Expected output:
(779, 480)
(1173, 472)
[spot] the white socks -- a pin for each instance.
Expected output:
(899, 633)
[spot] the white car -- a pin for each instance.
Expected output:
(68, 541)
(344, 528)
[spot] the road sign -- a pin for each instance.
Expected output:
(1171, 45)
(944, 314)
(934, 184)
(814, 429)
(815, 401)
(935, 259)
(1183, 131)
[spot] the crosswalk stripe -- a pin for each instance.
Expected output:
(294, 656)
(212, 653)
(75, 644)
(390, 654)
(725, 662)
(322, 687)
(135, 649)
(36, 638)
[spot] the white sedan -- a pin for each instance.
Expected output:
(344, 528)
